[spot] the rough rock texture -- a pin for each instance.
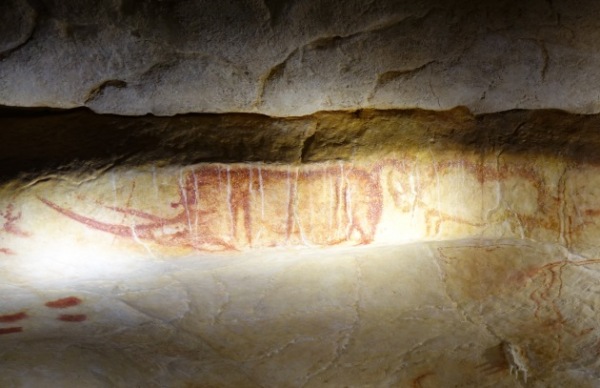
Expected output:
(289, 58)
(364, 193)
(42, 142)
(463, 251)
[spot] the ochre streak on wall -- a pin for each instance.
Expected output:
(64, 302)
(228, 207)
(12, 317)
(72, 317)
(10, 330)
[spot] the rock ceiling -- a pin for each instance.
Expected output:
(299, 194)
(290, 58)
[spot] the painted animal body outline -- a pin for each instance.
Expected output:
(483, 172)
(228, 194)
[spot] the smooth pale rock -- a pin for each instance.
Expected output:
(327, 318)
(289, 58)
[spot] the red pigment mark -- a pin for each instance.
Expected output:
(10, 220)
(12, 317)
(72, 317)
(64, 302)
(290, 207)
(144, 231)
(229, 196)
(10, 330)
(399, 185)
(7, 251)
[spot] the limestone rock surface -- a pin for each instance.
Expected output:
(361, 193)
(463, 252)
(290, 58)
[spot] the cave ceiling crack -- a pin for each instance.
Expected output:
(389, 76)
(276, 70)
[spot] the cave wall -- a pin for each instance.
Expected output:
(299, 194)
(290, 58)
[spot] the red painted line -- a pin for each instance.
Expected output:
(10, 330)
(137, 213)
(7, 251)
(64, 302)
(72, 317)
(12, 317)
(143, 230)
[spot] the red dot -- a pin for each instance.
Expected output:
(10, 330)
(12, 317)
(64, 302)
(72, 317)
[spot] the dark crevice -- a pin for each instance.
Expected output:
(306, 147)
(41, 140)
(98, 90)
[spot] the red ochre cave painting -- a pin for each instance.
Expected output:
(409, 180)
(10, 330)
(547, 294)
(9, 226)
(227, 207)
(544, 285)
(63, 303)
(9, 318)
(12, 318)
(72, 317)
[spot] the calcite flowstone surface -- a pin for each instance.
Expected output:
(288, 58)
(466, 254)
